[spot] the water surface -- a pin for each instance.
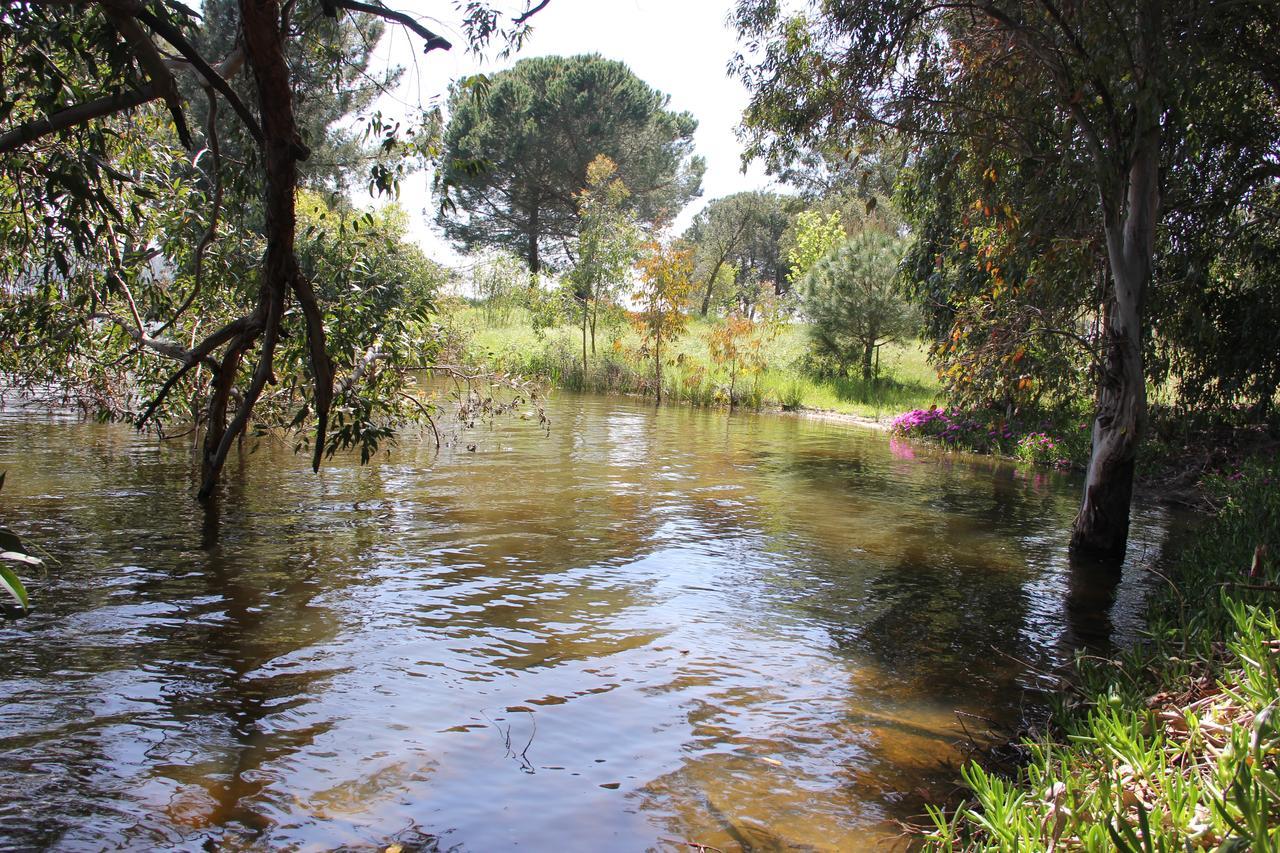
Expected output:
(645, 628)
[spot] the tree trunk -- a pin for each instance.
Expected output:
(595, 311)
(711, 285)
(1101, 528)
(868, 354)
(657, 367)
(535, 263)
(584, 342)
(264, 47)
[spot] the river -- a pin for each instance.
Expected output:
(639, 629)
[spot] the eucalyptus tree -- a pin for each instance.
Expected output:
(116, 259)
(1116, 80)
(518, 144)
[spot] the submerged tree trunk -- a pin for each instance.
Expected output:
(1101, 528)
(264, 47)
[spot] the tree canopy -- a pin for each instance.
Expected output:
(149, 273)
(1115, 90)
(852, 303)
(518, 144)
(737, 242)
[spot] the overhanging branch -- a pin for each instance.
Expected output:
(78, 114)
(432, 40)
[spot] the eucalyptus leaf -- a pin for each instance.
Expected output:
(13, 586)
(17, 557)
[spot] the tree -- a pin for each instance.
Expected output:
(741, 232)
(518, 144)
(111, 226)
(608, 241)
(739, 342)
(500, 281)
(815, 238)
(1116, 79)
(334, 79)
(666, 279)
(852, 304)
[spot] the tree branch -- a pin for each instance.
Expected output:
(432, 40)
(72, 116)
(212, 78)
(529, 13)
(145, 50)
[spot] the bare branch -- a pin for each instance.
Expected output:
(432, 40)
(529, 13)
(199, 354)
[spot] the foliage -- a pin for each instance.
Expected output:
(500, 280)
(739, 344)
(518, 144)
(852, 303)
(1215, 334)
(737, 243)
(815, 238)
(665, 283)
(1006, 265)
(380, 290)
(1174, 744)
(608, 242)
(549, 354)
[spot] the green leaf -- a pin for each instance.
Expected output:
(13, 586)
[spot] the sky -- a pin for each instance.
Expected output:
(680, 47)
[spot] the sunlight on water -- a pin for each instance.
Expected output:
(646, 628)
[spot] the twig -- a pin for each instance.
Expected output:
(696, 845)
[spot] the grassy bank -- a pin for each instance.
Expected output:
(1174, 745)
(690, 375)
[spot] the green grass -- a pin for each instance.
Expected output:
(906, 380)
(1174, 745)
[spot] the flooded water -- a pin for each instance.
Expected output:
(643, 629)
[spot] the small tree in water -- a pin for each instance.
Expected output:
(851, 301)
(666, 280)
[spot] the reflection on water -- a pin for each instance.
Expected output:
(646, 628)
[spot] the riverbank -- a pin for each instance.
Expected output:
(1174, 742)
(769, 372)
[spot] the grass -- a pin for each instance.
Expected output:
(1174, 745)
(689, 375)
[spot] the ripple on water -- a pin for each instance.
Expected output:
(744, 631)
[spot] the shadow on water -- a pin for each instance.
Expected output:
(751, 632)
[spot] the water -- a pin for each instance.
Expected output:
(644, 628)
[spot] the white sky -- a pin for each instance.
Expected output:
(680, 47)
